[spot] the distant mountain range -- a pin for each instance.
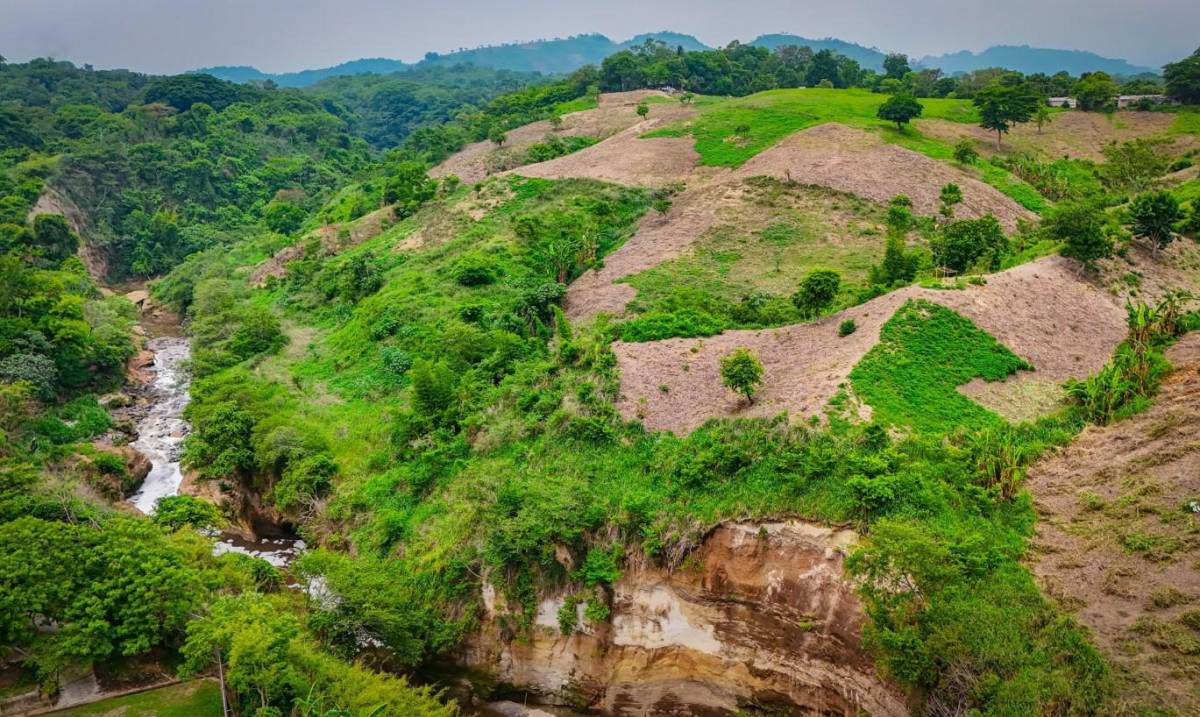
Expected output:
(564, 55)
(1023, 58)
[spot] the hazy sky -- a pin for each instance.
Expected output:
(283, 35)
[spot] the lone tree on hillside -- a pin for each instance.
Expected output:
(643, 109)
(1183, 79)
(1083, 229)
(1004, 103)
(900, 109)
(817, 291)
(1153, 215)
(497, 136)
(742, 371)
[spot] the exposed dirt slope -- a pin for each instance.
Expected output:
(762, 617)
(860, 162)
(616, 112)
(52, 201)
(1044, 311)
(625, 158)
(830, 155)
(1078, 135)
(1119, 541)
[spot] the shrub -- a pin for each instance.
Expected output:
(1083, 230)
(283, 217)
(817, 291)
(847, 327)
(965, 152)
(306, 480)
(899, 266)
(176, 511)
(1153, 215)
(474, 270)
(964, 243)
(742, 371)
(258, 333)
(34, 369)
(433, 386)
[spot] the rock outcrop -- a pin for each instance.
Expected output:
(758, 616)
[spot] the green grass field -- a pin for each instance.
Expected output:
(924, 353)
(200, 698)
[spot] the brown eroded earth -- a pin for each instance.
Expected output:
(1045, 311)
(859, 162)
(758, 615)
(616, 112)
(1118, 542)
(1073, 134)
(830, 155)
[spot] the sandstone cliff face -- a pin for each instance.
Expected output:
(759, 616)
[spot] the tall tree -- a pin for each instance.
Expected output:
(1004, 103)
(896, 66)
(1096, 92)
(900, 109)
(1183, 79)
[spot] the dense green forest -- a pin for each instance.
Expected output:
(427, 416)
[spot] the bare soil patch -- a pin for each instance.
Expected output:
(659, 237)
(616, 112)
(1143, 275)
(1119, 543)
(1076, 135)
(625, 158)
(861, 163)
(51, 201)
(1044, 311)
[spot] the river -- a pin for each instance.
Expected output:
(161, 429)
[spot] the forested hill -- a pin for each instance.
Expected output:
(151, 169)
(869, 57)
(553, 57)
(564, 55)
(1029, 60)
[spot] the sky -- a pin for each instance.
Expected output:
(165, 36)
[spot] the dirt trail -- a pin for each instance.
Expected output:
(1043, 311)
(615, 112)
(1117, 542)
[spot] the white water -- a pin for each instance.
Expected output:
(161, 431)
(160, 438)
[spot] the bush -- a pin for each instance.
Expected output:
(1153, 215)
(899, 266)
(1083, 230)
(847, 327)
(742, 371)
(474, 270)
(283, 217)
(34, 369)
(304, 481)
(965, 152)
(963, 244)
(176, 511)
(817, 291)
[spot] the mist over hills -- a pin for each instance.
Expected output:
(563, 55)
(1023, 58)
